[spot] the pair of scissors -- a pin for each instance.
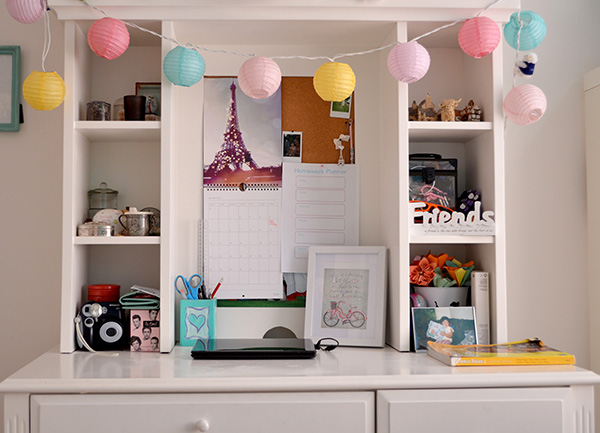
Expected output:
(190, 288)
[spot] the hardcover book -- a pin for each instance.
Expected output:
(524, 352)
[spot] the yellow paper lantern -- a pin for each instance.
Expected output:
(334, 81)
(44, 90)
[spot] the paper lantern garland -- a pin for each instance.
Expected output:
(408, 62)
(479, 36)
(108, 38)
(532, 30)
(334, 81)
(259, 77)
(44, 90)
(525, 104)
(184, 66)
(25, 11)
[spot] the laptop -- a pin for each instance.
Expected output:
(254, 348)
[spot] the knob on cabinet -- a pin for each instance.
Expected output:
(202, 425)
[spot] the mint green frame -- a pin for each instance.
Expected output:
(13, 88)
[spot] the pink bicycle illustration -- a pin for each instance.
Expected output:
(354, 316)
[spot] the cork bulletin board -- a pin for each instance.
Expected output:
(302, 110)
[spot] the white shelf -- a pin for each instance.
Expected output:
(447, 131)
(452, 239)
(117, 240)
(115, 131)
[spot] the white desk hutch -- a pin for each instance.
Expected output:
(159, 164)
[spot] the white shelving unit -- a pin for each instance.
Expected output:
(159, 164)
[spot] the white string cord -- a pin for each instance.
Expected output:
(47, 37)
(331, 59)
(514, 72)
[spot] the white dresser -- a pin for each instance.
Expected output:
(349, 390)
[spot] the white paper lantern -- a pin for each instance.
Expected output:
(408, 62)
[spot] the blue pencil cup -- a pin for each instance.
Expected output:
(197, 320)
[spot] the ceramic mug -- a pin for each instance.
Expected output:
(137, 223)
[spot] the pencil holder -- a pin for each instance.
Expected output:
(197, 320)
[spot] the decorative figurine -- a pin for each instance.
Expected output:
(475, 114)
(526, 66)
(471, 113)
(427, 110)
(413, 111)
(448, 106)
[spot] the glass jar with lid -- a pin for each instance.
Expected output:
(101, 198)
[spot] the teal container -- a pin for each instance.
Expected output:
(197, 319)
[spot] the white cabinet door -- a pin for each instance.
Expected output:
(532, 410)
(214, 413)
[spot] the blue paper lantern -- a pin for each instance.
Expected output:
(184, 66)
(533, 30)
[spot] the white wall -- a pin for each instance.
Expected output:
(545, 161)
(30, 215)
(547, 296)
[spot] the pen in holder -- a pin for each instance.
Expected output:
(197, 320)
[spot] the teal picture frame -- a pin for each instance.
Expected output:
(10, 87)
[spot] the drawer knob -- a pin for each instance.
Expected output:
(202, 425)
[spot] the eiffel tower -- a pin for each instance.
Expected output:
(233, 153)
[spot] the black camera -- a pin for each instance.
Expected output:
(102, 325)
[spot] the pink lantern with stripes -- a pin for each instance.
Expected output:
(525, 104)
(259, 77)
(408, 62)
(108, 37)
(25, 11)
(479, 36)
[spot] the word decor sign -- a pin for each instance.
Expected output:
(442, 222)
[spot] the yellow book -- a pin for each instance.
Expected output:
(524, 352)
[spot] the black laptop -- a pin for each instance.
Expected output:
(250, 348)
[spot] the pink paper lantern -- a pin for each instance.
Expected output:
(259, 77)
(525, 104)
(479, 36)
(25, 11)
(408, 62)
(108, 38)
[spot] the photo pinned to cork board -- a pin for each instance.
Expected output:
(341, 109)
(291, 142)
(345, 296)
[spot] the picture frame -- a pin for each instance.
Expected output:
(152, 93)
(10, 87)
(428, 324)
(341, 109)
(346, 295)
(291, 146)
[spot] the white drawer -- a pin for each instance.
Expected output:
(350, 412)
(532, 410)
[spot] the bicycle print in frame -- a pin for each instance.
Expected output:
(346, 295)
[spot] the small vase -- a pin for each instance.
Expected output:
(135, 107)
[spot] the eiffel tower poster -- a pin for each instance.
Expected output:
(241, 135)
